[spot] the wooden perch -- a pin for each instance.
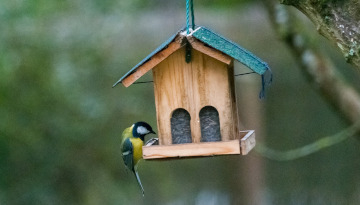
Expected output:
(242, 146)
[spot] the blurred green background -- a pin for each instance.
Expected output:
(60, 120)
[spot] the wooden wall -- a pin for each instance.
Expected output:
(204, 81)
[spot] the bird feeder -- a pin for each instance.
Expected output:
(196, 110)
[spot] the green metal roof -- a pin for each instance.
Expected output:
(230, 48)
(219, 43)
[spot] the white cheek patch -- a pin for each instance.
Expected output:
(142, 130)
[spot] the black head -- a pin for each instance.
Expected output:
(141, 129)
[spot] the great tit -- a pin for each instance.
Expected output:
(131, 146)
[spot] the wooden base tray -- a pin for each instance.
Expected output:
(242, 146)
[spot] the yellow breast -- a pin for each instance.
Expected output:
(137, 146)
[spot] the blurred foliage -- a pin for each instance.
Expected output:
(60, 120)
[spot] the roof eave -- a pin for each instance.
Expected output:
(162, 52)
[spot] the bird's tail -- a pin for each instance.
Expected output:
(139, 182)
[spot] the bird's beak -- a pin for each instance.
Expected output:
(153, 132)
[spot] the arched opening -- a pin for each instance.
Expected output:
(209, 124)
(180, 126)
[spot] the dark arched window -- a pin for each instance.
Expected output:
(210, 125)
(180, 127)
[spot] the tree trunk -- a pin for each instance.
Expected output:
(320, 71)
(337, 20)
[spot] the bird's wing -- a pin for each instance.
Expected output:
(127, 154)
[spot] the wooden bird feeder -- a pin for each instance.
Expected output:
(195, 95)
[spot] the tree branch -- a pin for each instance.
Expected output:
(307, 149)
(319, 70)
(336, 20)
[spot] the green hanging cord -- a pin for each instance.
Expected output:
(192, 15)
(187, 17)
(189, 6)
